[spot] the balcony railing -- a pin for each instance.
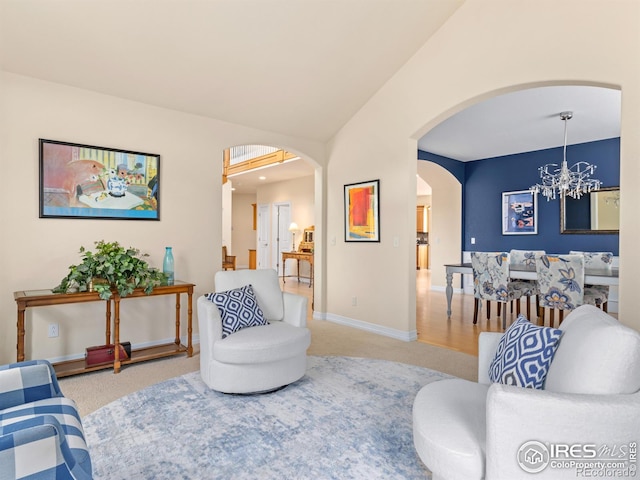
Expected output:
(249, 157)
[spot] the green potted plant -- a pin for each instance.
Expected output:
(111, 267)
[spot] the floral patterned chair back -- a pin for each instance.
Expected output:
(596, 260)
(491, 276)
(491, 283)
(525, 257)
(561, 281)
(597, 295)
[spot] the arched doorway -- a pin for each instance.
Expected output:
(266, 190)
(501, 141)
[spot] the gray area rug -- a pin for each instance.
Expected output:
(347, 418)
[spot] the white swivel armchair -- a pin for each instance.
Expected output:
(591, 397)
(259, 358)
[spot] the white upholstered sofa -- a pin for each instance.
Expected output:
(258, 358)
(591, 398)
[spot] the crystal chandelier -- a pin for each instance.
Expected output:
(562, 180)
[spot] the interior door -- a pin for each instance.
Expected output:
(263, 229)
(281, 237)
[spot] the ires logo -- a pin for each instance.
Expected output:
(577, 450)
(533, 456)
(588, 459)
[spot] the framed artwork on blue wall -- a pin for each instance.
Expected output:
(519, 213)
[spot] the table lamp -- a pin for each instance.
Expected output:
(293, 228)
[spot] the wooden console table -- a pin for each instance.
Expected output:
(40, 298)
(305, 257)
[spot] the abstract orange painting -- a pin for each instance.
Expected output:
(362, 214)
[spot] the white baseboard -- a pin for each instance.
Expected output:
(291, 278)
(369, 327)
(195, 340)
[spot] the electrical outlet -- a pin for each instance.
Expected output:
(473, 240)
(54, 330)
(354, 301)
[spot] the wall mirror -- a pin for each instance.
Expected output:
(308, 235)
(306, 245)
(595, 212)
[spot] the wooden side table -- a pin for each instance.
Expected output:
(40, 298)
(305, 257)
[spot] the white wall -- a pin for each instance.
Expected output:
(300, 192)
(36, 253)
(244, 236)
(485, 49)
(423, 199)
(227, 214)
(445, 235)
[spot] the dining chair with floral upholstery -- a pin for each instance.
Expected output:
(561, 284)
(491, 283)
(527, 258)
(597, 261)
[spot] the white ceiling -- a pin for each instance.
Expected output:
(526, 121)
(248, 183)
(296, 67)
(517, 122)
(285, 66)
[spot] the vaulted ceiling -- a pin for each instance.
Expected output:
(296, 67)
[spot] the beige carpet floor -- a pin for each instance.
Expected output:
(93, 390)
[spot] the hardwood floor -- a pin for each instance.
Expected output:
(456, 333)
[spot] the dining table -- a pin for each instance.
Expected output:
(593, 276)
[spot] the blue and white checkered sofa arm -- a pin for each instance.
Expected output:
(41, 435)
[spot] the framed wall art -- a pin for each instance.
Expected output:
(362, 212)
(84, 181)
(519, 213)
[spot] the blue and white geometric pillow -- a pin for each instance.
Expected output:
(524, 354)
(238, 309)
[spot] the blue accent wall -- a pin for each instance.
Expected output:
(456, 167)
(483, 182)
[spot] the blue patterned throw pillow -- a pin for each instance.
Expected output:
(238, 309)
(524, 354)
